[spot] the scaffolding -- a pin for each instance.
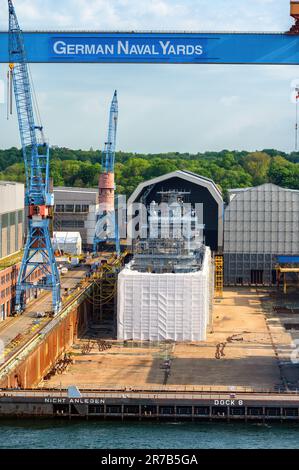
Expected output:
(174, 242)
(166, 256)
(219, 276)
(104, 294)
(165, 306)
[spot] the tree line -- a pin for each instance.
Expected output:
(228, 169)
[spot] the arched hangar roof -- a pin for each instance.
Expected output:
(190, 177)
(186, 175)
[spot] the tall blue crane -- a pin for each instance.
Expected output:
(38, 268)
(107, 226)
(108, 156)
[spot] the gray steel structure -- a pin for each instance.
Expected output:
(260, 223)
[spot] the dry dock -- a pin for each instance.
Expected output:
(145, 405)
(242, 372)
(239, 354)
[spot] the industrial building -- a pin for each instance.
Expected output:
(11, 241)
(11, 217)
(260, 224)
(75, 211)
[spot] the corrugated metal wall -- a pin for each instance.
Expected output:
(259, 224)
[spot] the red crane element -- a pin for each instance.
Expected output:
(295, 14)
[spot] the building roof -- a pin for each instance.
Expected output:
(265, 185)
(203, 178)
(66, 237)
(14, 183)
(186, 175)
(75, 189)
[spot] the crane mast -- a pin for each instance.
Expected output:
(106, 226)
(38, 268)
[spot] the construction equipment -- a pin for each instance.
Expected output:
(107, 227)
(295, 14)
(38, 258)
(219, 276)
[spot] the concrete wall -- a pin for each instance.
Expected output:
(11, 196)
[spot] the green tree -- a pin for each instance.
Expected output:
(257, 165)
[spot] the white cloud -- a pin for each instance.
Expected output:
(152, 14)
(229, 101)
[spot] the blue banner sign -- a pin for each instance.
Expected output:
(166, 48)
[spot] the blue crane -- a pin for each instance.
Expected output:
(38, 268)
(107, 226)
(108, 156)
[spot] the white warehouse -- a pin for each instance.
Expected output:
(165, 306)
(68, 242)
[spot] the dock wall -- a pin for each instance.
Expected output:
(144, 407)
(34, 360)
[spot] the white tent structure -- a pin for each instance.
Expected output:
(68, 242)
(159, 307)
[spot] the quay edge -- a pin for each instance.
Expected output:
(145, 406)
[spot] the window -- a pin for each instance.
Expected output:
(59, 207)
(2, 279)
(78, 208)
(85, 208)
(257, 276)
(4, 220)
(2, 312)
(72, 223)
(69, 208)
(20, 216)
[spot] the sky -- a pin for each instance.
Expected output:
(162, 108)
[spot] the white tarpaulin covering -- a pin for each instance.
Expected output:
(159, 307)
(68, 242)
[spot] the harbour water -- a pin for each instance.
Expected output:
(43, 434)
